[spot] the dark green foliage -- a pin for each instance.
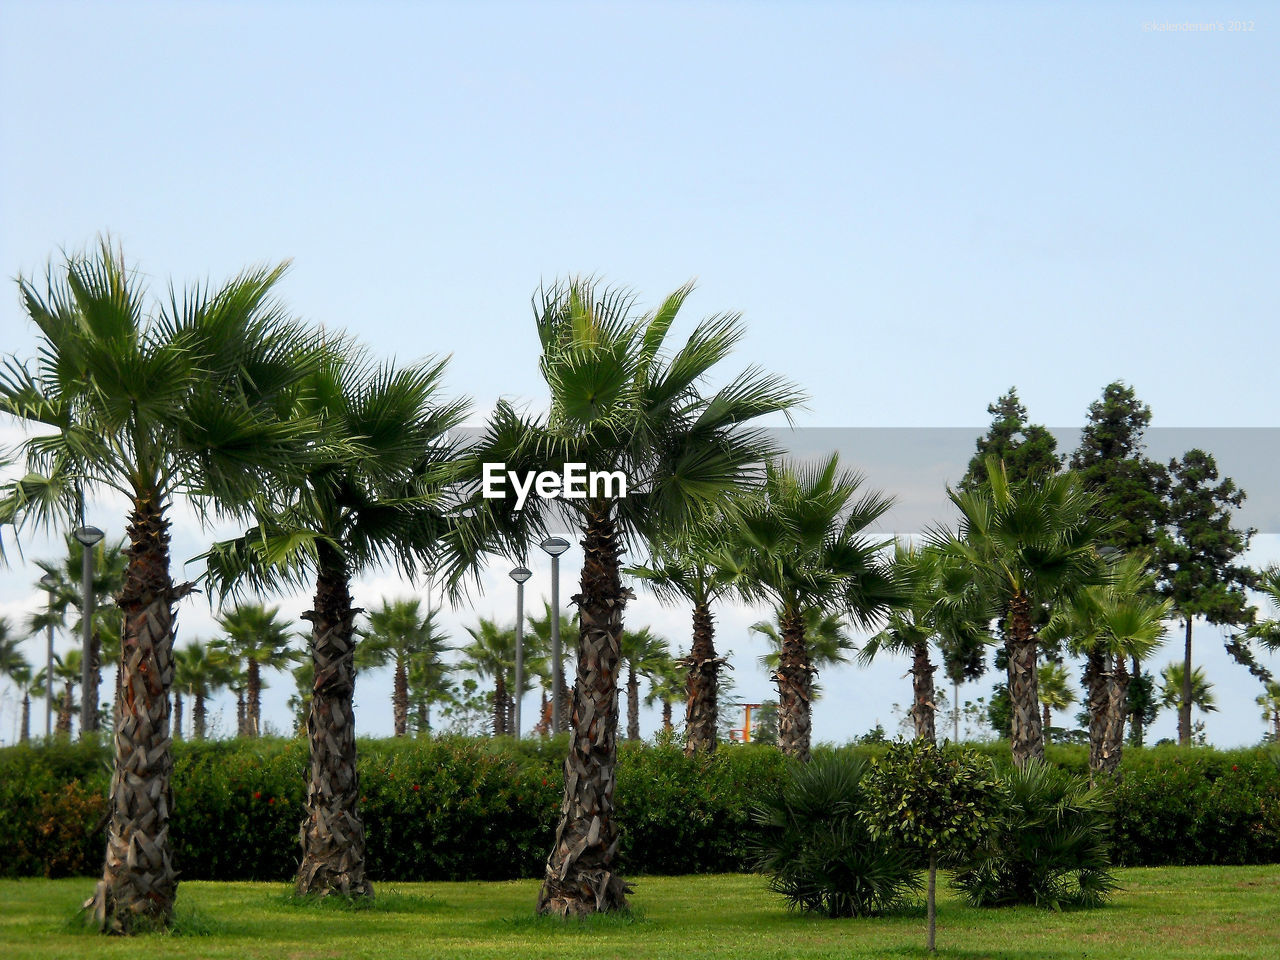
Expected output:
(1027, 450)
(818, 850)
(1051, 849)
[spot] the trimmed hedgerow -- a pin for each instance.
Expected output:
(486, 809)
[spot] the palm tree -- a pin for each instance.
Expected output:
(255, 638)
(1055, 691)
(198, 673)
(1111, 625)
(941, 609)
(697, 569)
(667, 684)
(67, 669)
(1269, 701)
(1026, 544)
(629, 411)
(15, 667)
(538, 637)
(826, 640)
(1172, 689)
(192, 397)
(805, 549)
(380, 502)
(645, 656)
(429, 680)
(398, 632)
(492, 655)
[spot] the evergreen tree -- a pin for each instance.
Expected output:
(1026, 449)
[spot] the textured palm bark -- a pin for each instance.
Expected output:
(138, 882)
(500, 707)
(794, 677)
(1136, 727)
(400, 698)
(633, 703)
(242, 724)
(177, 715)
(25, 735)
(580, 877)
(198, 716)
(1020, 642)
(702, 711)
(923, 705)
(66, 707)
(1184, 708)
(332, 834)
(253, 700)
(1117, 705)
(89, 695)
(666, 716)
(1098, 702)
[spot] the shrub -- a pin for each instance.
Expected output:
(817, 849)
(1050, 849)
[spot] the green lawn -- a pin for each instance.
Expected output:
(1160, 913)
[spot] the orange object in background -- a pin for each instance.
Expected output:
(743, 734)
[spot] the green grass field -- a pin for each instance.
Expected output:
(1160, 913)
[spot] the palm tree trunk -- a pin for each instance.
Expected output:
(702, 714)
(1099, 703)
(923, 706)
(138, 882)
(500, 706)
(65, 707)
(1118, 704)
(1136, 730)
(253, 712)
(666, 716)
(633, 703)
(579, 877)
(400, 698)
(333, 844)
(1020, 642)
(198, 715)
(177, 714)
(89, 695)
(25, 735)
(1045, 724)
(241, 713)
(1184, 708)
(794, 677)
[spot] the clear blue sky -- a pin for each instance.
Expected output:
(914, 206)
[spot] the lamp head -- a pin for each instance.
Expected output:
(555, 545)
(520, 574)
(88, 535)
(48, 581)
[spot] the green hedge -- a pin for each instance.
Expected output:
(451, 809)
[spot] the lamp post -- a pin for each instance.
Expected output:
(88, 538)
(519, 575)
(554, 546)
(47, 583)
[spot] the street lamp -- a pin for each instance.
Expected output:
(47, 583)
(554, 546)
(519, 575)
(89, 538)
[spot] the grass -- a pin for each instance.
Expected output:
(1168, 912)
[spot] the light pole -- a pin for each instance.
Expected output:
(519, 575)
(554, 546)
(89, 538)
(47, 583)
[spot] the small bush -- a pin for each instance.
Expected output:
(818, 851)
(1050, 848)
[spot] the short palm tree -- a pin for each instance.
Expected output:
(1055, 690)
(255, 639)
(1026, 544)
(538, 637)
(430, 680)
(194, 396)
(1269, 701)
(397, 633)
(1172, 689)
(805, 548)
(491, 655)
(826, 638)
(645, 656)
(1111, 624)
(382, 501)
(621, 402)
(697, 569)
(942, 610)
(14, 667)
(199, 674)
(67, 672)
(667, 684)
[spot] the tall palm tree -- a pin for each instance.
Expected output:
(255, 638)
(826, 638)
(1172, 689)
(1026, 544)
(1112, 625)
(942, 609)
(380, 502)
(198, 673)
(67, 594)
(1055, 691)
(645, 655)
(622, 403)
(191, 397)
(698, 569)
(1269, 701)
(805, 548)
(397, 633)
(14, 667)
